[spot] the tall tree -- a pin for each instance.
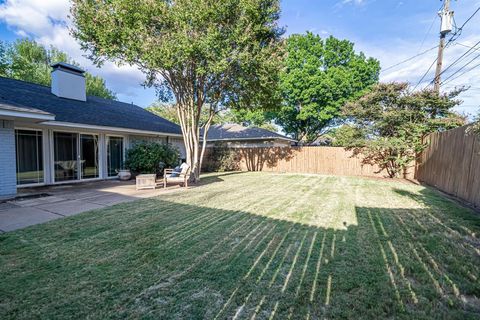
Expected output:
(169, 112)
(257, 118)
(245, 117)
(29, 61)
(320, 76)
(388, 124)
(204, 53)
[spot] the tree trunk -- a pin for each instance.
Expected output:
(190, 130)
(190, 95)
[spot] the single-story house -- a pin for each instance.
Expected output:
(58, 134)
(238, 136)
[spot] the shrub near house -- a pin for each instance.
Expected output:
(151, 157)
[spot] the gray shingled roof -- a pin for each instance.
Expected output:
(231, 132)
(95, 111)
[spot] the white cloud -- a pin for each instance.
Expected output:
(413, 70)
(342, 3)
(357, 2)
(47, 22)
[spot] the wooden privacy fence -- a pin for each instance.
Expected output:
(451, 163)
(320, 160)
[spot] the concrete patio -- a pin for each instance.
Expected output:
(38, 205)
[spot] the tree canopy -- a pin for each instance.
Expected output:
(245, 117)
(203, 53)
(388, 124)
(319, 77)
(29, 61)
(169, 112)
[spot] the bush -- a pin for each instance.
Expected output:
(475, 127)
(151, 157)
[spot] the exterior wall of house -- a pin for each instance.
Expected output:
(8, 178)
(134, 139)
(178, 142)
(8, 174)
(48, 146)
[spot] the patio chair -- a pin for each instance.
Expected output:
(177, 177)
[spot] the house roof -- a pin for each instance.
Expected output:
(95, 111)
(233, 132)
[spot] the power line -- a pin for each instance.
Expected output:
(464, 55)
(409, 59)
(445, 28)
(472, 68)
(467, 46)
(425, 74)
(470, 18)
(458, 31)
(429, 29)
(421, 46)
(453, 38)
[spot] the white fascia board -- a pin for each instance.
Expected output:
(249, 139)
(105, 128)
(26, 115)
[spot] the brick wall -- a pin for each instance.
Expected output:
(8, 179)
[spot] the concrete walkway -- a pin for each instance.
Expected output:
(49, 203)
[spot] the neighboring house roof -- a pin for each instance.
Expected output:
(235, 132)
(95, 111)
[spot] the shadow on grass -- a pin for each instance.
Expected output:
(169, 260)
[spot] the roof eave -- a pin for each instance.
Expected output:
(250, 139)
(108, 128)
(25, 114)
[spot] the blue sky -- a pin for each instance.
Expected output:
(389, 30)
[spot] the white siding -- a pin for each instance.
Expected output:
(134, 139)
(178, 142)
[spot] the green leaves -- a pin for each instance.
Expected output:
(29, 61)
(151, 157)
(389, 123)
(220, 54)
(475, 127)
(217, 49)
(319, 77)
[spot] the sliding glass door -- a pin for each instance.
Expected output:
(29, 154)
(75, 156)
(114, 155)
(89, 156)
(65, 156)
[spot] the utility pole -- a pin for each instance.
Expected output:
(445, 28)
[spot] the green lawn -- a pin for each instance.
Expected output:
(252, 245)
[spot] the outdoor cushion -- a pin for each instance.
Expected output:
(176, 172)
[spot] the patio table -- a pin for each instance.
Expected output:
(146, 181)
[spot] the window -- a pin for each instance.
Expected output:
(29, 156)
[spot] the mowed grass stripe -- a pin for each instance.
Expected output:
(252, 246)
